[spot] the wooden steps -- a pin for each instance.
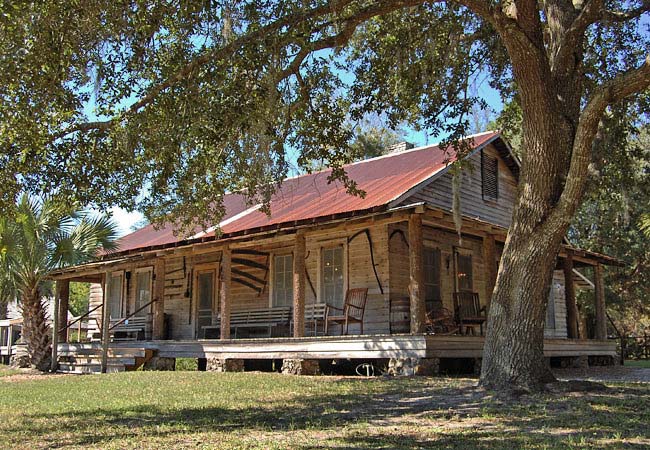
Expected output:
(87, 358)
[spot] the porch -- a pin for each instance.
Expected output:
(409, 261)
(428, 351)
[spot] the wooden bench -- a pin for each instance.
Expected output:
(262, 318)
(133, 329)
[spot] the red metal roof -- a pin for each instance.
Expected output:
(383, 179)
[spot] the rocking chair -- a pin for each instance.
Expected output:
(352, 311)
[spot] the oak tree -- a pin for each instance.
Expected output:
(191, 99)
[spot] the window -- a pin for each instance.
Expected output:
(142, 291)
(114, 291)
(464, 276)
(432, 297)
(489, 176)
(332, 276)
(283, 280)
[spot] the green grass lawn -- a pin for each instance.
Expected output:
(266, 410)
(638, 363)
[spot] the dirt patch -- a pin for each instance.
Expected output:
(29, 375)
(606, 374)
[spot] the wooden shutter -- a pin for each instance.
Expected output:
(490, 176)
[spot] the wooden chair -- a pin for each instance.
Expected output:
(468, 311)
(441, 321)
(352, 311)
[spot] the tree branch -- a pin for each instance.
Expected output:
(589, 13)
(624, 16)
(214, 53)
(615, 90)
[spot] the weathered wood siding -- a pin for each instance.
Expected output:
(95, 299)
(557, 296)
(439, 192)
(180, 301)
(447, 243)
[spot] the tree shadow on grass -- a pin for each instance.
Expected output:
(467, 417)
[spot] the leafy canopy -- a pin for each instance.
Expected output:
(164, 106)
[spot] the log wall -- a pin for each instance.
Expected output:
(180, 299)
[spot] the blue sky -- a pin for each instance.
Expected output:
(126, 220)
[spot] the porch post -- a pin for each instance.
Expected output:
(63, 289)
(106, 323)
(601, 318)
(570, 298)
(416, 274)
(226, 275)
(490, 262)
(158, 307)
(56, 323)
(299, 285)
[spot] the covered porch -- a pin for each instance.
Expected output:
(266, 295)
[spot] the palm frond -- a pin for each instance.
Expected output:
(644, 224)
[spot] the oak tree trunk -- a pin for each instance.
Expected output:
(36, 332)
(514, 348)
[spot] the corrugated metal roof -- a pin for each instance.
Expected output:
(383, 179)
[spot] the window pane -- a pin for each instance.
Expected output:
(283, 280)
(142, 292)
(206, 290)
(332, 276)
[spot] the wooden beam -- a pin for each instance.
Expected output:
(490, 262)
(416, 274)
(106, 323)
(570, 299)
(299, 284)
(601, 318)
(63, 291)
(224, 292)
(158, 307)
(54, 363)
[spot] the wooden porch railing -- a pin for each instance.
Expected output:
(78, 320)
(124, 319)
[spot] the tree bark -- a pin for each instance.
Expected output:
(299, 285)
(158, 306)
(226, 281)
(36, 332)
(416, 283)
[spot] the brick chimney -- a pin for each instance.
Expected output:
(400, 147)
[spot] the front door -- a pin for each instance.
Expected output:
(206, 304)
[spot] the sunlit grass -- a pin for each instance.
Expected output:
(268, 410)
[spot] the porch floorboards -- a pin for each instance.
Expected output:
(353, 347)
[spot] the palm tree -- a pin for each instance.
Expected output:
(40, 237)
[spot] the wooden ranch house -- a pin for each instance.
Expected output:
(328, 276)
